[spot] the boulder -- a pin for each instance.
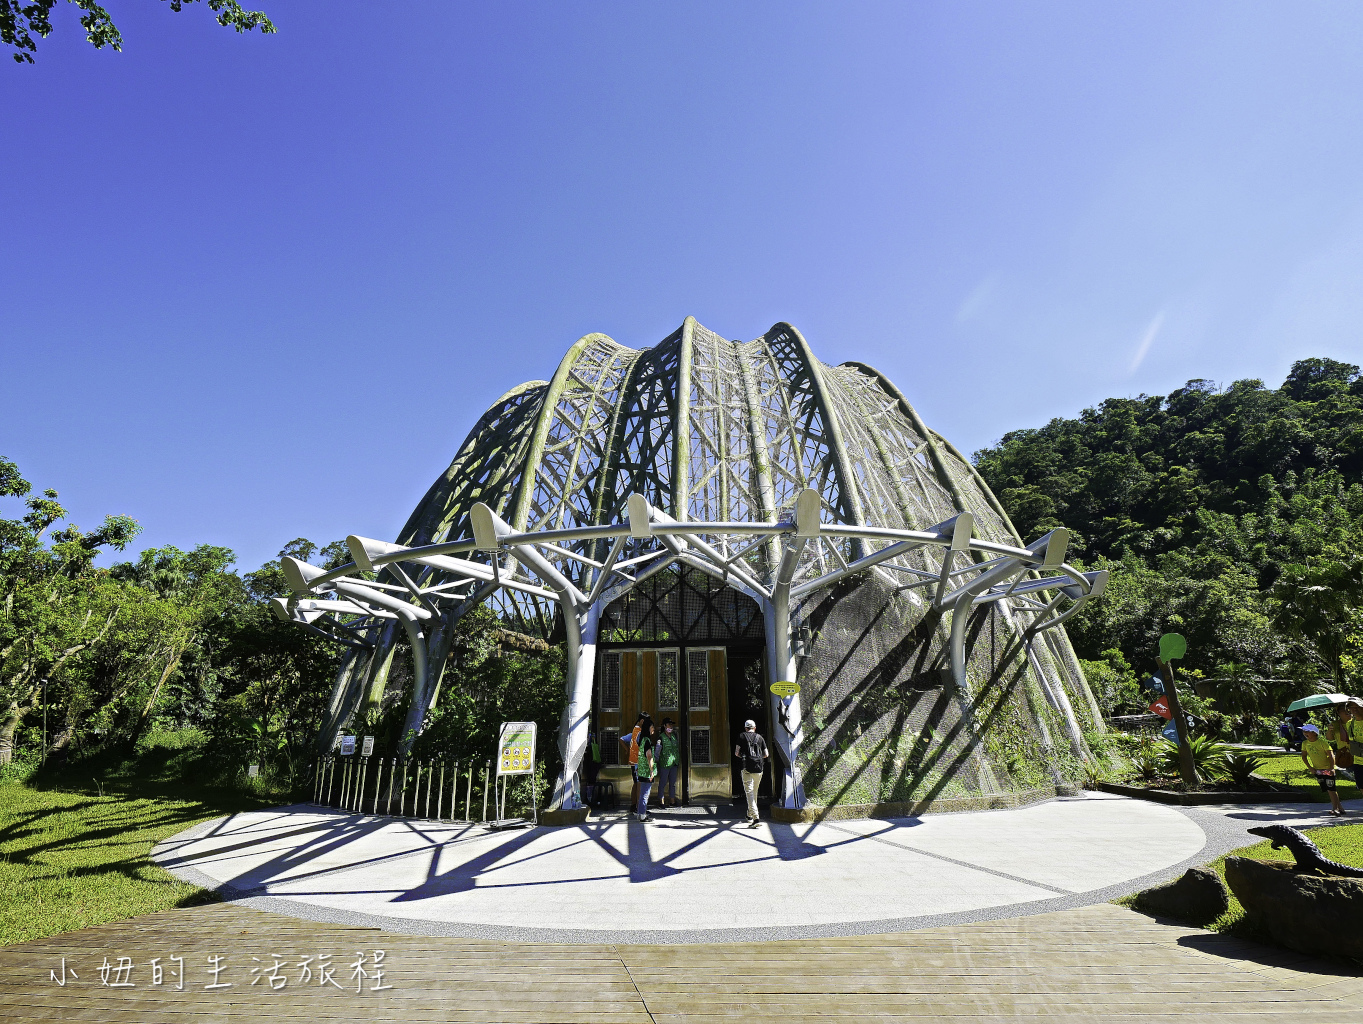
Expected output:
(560, 817)
(1303, 910)
(1199, 897)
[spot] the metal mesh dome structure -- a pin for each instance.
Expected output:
(706, 494)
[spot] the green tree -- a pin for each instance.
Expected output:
(187, 595)
(1231, 515)
(22, 20)
(1322, 606)
(54, 605)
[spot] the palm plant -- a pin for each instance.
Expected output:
(1240, 766)
(1209, 757)
(1147, 761)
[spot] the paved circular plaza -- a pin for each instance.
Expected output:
(690, 877)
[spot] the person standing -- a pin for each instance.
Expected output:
(647, 766)
(591, 768)
(1337, 732)
(751, 751)
(669, 760)
(1318, 756)
(633, 740)
(1353, 729)
(1294, 724)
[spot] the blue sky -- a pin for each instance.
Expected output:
(260, 287)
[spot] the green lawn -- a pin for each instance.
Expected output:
(71, 860)
(1289, 768)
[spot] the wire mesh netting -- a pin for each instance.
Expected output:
(682, 605)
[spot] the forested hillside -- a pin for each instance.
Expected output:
(1229, 514)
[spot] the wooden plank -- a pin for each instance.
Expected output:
(1091, 965)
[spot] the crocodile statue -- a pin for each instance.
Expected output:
(1309, 857)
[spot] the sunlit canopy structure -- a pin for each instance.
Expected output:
(702, 519)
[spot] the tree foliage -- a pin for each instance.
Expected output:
(21, 20)
(170, 639)
(1232, 515)
(175, 641)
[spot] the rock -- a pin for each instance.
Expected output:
(1199, 897)
(1309, 912)
(574, 816)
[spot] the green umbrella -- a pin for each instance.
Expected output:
(1318, 701)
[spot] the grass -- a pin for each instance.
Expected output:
(1286, 769)
(1343, 843)
(75, 842)
(1289, 769)
(72, 860)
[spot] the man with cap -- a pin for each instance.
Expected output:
(1319, 757)
(751, 751)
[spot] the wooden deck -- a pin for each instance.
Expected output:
(1095, 964)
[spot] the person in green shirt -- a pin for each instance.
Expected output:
(1337, 732)
(669, 760)
(1354, 729)
(648, 766)
(1319, 757)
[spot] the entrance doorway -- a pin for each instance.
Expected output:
(670, 647)
(634, 680)
(748, 700)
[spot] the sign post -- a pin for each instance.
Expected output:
(786, 689)
(1171, 647)
(515, 756)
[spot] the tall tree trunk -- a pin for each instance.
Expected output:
(68, 732)
(150, 706)
(17, 709)
(14, 714)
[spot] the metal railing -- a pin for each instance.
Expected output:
(402, 787)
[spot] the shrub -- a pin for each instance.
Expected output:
(1113, 683)
(1148, 762)
(1264, 731)
(1240, 765)
(1127, 742)
(1209, 757)
(1100, 743)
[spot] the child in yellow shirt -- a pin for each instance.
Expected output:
(1319, 757)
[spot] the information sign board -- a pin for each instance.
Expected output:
(252, 771)
(368, 747)
(516, 748)
(347, 745)
(785, 688)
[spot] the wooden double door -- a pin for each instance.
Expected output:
(689, 685)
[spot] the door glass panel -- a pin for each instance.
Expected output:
(698, 664)
(610, 681)
(667, 680)
(700, 744)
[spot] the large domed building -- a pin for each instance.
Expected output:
(703, 524)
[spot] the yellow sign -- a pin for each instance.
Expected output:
(516, 748)
(785, 689)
